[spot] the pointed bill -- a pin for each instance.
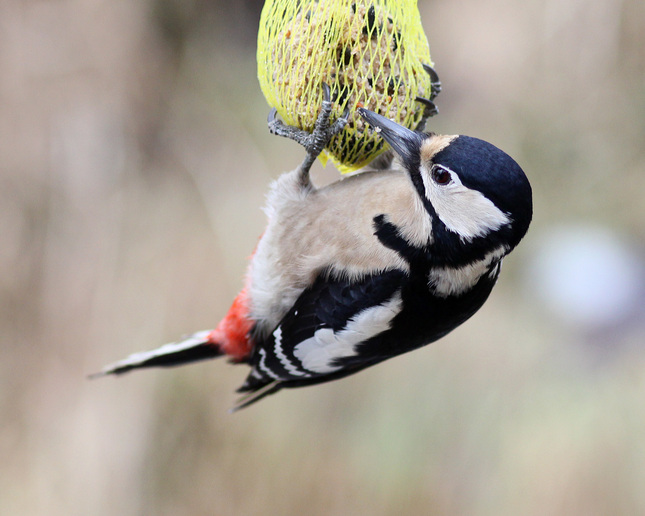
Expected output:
(405, 142)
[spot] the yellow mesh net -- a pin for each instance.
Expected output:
(370, 53)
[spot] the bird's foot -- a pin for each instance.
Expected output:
(315, 141)
(429, 107)
(435, 83)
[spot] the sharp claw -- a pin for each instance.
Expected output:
(434, 77)
(426, 102)
(272, 115)
(430, 107)
(339, 124)
(326, 92)
(274, 122)
(435, 82)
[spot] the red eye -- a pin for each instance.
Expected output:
(441, 176)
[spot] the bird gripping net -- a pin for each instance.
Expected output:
(371, 54)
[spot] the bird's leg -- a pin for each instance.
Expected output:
(429, 108)
(314, 142)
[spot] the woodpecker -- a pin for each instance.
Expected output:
(369, 267)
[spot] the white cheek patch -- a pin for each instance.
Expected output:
(462, 210)
(319, 352)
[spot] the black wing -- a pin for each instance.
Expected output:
(326, 324)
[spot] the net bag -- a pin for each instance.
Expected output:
(371, 54)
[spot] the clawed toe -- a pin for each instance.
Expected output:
(315, 141)
(326, 92)
(429, 107)
(435, 82)
(339, 124)
(274, 122)
(279, 128)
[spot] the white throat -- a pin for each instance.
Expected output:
(453, 281)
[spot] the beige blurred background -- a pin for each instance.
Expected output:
(134, 158)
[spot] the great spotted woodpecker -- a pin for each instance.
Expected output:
(366, 268)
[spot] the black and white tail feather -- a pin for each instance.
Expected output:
(193, 348)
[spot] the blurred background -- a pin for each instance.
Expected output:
(134, 159)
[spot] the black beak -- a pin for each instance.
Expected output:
(405, 142)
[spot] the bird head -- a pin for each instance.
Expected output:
(478, 197)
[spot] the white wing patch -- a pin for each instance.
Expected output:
(319, 352)
(284, 360)
(263, 366)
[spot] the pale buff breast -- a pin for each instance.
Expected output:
(332, 228)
